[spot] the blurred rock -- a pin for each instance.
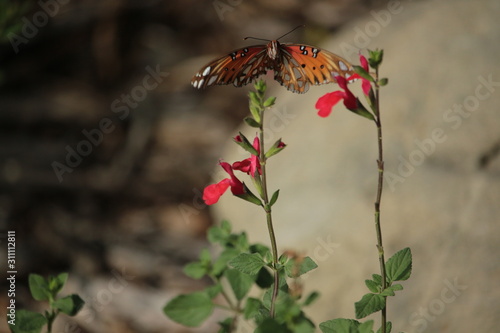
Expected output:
(441, 139)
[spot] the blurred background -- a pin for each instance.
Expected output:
(105, 146)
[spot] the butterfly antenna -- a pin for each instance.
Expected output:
(267, 40)
(289, 32)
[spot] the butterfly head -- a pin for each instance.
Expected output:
(273, 49)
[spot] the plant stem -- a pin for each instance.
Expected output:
(378, 228)
(269, 218)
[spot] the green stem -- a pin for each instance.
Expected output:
(269, 219)
(378, 228)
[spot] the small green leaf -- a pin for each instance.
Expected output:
(311, 298)
(339, 325)
(195, 270)
(377, 278)
(240, 282)
(249, 196)
(269, 102)
(220, 264)
(388, 328)
(398, 267)
(248, 263)
(245, 144)
(251, 122)
(362, 111)
(216, 234)
(69, 305)
(306, 265)
(277, 147)
(383, 82)
(26, 322)
(264, 279)
(213, 291)
(57, 283)
(252, 307)
(389, 291)
(369, 304)
(39, 287)
(364, 74)
(226, 325)
(274, 198)
(271, 325)
(189, 310)
(366, 327)
(373, 286)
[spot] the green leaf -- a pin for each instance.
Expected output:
(226, 325)
(26, 322)
(306, 265)
(255, 111)
(271, 325)
(366, 327)
(195, 270)
(389, 291)
(311, 298)
(388, 328)
(264, 279)
(364, 74)
(269, 102)
(213, 291)
(240, 282)
(219, 234)
(245, 144)
(39, 287)
(69, 305)
(375, 58)
(339, 325)
(373, 286)
(377, 278)
(369, 304)
(249, 196)
(362, 111)
(189, 310)
(275, 196)
(57, 283)
(252, 308)
(248, 263)
(383, 82)
(220, 264)
(251, 122)
(398, 267)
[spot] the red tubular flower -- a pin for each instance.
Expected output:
(252, 164)
(326, 102)
(213, 192)
(365, 84)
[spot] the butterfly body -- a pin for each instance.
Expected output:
(295, 66)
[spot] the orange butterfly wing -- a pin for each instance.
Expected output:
(238, 68)
(304, 65)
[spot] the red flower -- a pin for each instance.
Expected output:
(213, 192)
(365, 84)
(326, 102)
(252, 164)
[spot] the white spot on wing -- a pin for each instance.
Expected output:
(212, 80)
(343, 66)
(207, 71)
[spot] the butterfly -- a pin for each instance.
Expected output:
(295, 66)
